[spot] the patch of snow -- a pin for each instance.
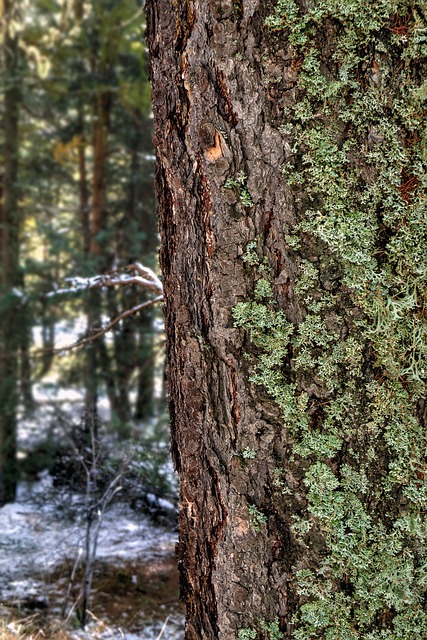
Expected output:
(171, 628)
(39, 534)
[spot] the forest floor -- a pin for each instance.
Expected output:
(135, 591)
(135, 585)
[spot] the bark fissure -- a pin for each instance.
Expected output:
(205, 228)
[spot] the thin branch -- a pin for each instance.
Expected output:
(123, 280)
(146, 273)
(132, 275)
(144, 277)
(163, 628)
(108, 326)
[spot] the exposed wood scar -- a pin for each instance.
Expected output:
(213, 153)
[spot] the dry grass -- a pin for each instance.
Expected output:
(12, 628)
(15, 626)
(123, 595)
(29, 629)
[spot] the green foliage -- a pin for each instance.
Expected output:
(240, 183)
(359, 156)
(258, 518)
(95, 54)
(247, 634)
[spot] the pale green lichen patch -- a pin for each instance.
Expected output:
(240, 184)
(350, 378)
(258, 518)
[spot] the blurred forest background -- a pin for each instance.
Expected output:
(76, 201)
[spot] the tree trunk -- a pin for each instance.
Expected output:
(84, 205)
(144, 404)
(98, 255)
(100, 141)
(11, 308)
(141, 207)
(26, 368)
(291, 168)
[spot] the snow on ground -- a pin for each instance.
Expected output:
(36, 536)
(46, 527)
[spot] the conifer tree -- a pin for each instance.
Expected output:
(292, 157)
(10, 292)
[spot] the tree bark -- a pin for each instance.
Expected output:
(100, 141)
(11, 310)
(98, 254)
(211, 123)
(84, 205)
(282, 218)
(142, 208)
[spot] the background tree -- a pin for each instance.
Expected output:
(77, 199)
(10, 278)
(291, 183)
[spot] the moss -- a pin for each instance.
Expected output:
(358, 141)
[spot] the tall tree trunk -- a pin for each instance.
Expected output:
(290, 179)
(144, 404)
(47, 331)
(26, 368)
(87, 226)
(141, 208)
(96, 355)
(83, 187)
(100, 141)
(124, 356)
(11, 309)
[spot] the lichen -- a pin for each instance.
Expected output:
(359, 156)
(240, 183)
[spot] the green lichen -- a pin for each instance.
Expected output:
(240, 184)
(248, 453)
(258, 518)
(271, 629)
(248, 633)
(358, 359)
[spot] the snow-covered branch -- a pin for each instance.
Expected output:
(132, 275)
(97, 333)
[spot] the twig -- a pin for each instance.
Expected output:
(103, 625)
(137, 275)
(145, 271)
(144, 277)
(73, 608)
(163, 628)
(95, 511)
(97, 334)
(70, 586)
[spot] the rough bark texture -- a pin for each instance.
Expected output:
(274, 492)
(212, 122)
